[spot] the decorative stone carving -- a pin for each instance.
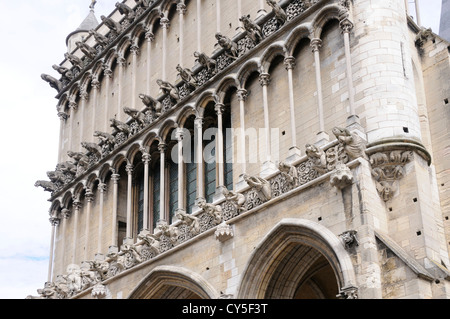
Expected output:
(46, 185)
(341, 177)
(138, 116)
(349, 238)
(190, 221)
(318, 158)
(54, 83)
(131, 256)
(148, 246)
(100, 291)
(99, 38)
(253, 30)
(187, 77)
(90, 52)
(76, 61)
(290, 173)
(153, 105)
(348, 293)
(166, 235)
(237, 202)
(388, 169)
(114, 26)
(144, 3)
(129, 13)
(66, 73)
(169, 89)
(261, 185)
(422, 37)
(107, 142)
(93, 148)
(120, 126)
(205, 61)
(214, 211)
(280, 14)
(224, 232)
(81, 160)
(353, 145)
(230, 47)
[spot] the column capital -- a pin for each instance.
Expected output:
(181, 8)
(66, 213)
(316, 44)
(129, 168)
(289, 62)
(121, 60)
(264, 79)
(77, 204)
(165, 23)
(89, 195)
(149, 34)
(134, 48)
(146, 157)
(219, 108)
(198, 122)
(63, 116)
(162, 147)
(242, 94)
(54, 221)
(179, 134)
(115, 178)
(95, 83)
(102, 187)
(346, 25)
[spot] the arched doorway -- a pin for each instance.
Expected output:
(171, 282)
(297, 259)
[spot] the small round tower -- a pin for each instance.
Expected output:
(89, 23)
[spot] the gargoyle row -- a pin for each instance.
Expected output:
(259, 191)
(254, 34)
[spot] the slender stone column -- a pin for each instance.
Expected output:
(242, 95)
(135, 52)
(264, 80)
(346, 27)
(108, 76)
(181, 8)
(122, 63)
(181, 202)
(102, 189)
(129, 169)
(150, 37)
(66, 214)
(219, 108)
(146, 160)
(294, 151)
(240, 28)
(419, 23)
(165, 26)
(95, 88)
(162, 147)
(218, 15)
(55, 222)
(77, 206)
(198, 122)
(89, 198)
(322, 136)
(63, 118)
(72, 108)
(83, 98)
(115, 178)
(199, 26)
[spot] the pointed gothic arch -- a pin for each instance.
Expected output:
(173, 282)
(289, 256)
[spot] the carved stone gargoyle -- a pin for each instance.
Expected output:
(129, 13)
(205, 61)
(76, 61)
(230, 47)
(280, 14)
(88, 51)
(153, 105)
(93, 148)
(318, 158)
(120, 126)
(169, 89)
(187, 77)
(100, 38)
(353, 145)
(237, 199)
(54, 83)
(290, 173)
(111, 24)
(261, 185)
(215, 211)
(253, 30)
(190, 221)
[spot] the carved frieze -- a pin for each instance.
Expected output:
(387, 169)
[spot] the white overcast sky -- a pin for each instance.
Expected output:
(33, 34)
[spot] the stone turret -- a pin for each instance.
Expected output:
(89, 23)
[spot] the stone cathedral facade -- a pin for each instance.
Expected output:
(251, 149)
